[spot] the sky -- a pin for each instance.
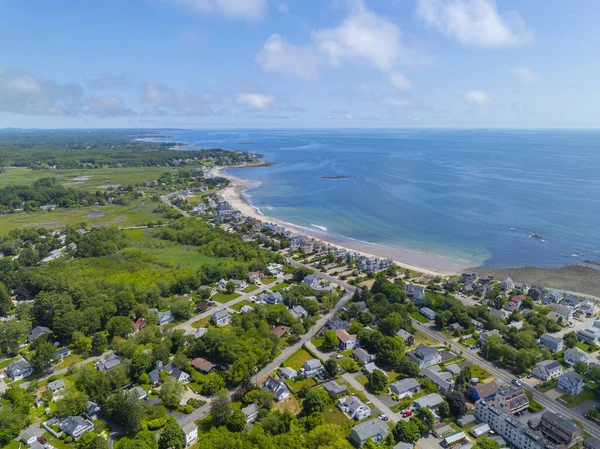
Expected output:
(299, 63)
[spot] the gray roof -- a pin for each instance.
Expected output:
(109, 362)
(592, 443)
(560, 421)
(405, 384)
(371, 429)
(250, 410)
(453, 368)
(19, 365)
(403, 445)
(72, 422)
(56, 385)
(550, 339)
(403, 334)
(431, 400)
(573, 377)
(189, 427)
(36, 332)
(333, 387)
(438, 378)
(467, 419)
(424, 351)
(220, 314)
(363, 355)
(313, 364)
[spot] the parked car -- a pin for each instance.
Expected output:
(407, 414)
(383, 417)
(517, 382)
(42, 440)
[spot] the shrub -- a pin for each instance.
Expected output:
(69, 439)
(157, 423)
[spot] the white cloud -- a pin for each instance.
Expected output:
(476, 97)
(399, 81)
(177, 101)
(251, 10)
(106, 81)
(280, 56)
(106, 106)
(254, 100)
(25, 93)
(524, 75)
(399, 102)
(362, 36)
(474, 22)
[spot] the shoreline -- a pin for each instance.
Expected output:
(234, 195)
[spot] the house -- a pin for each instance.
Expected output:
(239, 285)
(370, 367)
(427, 313)
(202, 365)
(274, 269)
(28, 438)
(547, 370)
(110, 362)
(480, 430)
(571, 383)
(62, 353)
(221, 318)
(334, 389)
(515, 303)
(553, 296)
(173, 371)
(281, 331)
(500, 314)
(346, 340)
(354, 407)
(431, 401)
(559, 429)
(190, 430)
(403, 445)
(18, 370)
(250, 412)
(197, 333)
(455, 440)
(409, 339)
(592, 443)
(405, 387)
(163, 317)
(312, 368)
(486, 392)
(270, 298)
(507, 284)
(374, 429)
(56, 386)
(75, 426)
(138, 324)
(571, 301)
(553, 344)
(442, 380)
(92, 410)
(277, 387)
(535, 293)
(485, 335)
(288, 373)
(589, 335)
(415, 292)
(455, 327)
(453, 369)
(561, 310)
(139, 392)
(466, 420)
(574, 355)
(314, 282)
(362, 355)
(246, 309)
(477, 324)
(298, 312)
(442, 429)
(336, 323)
(207, 288)
(37, 332)
(511, 399)
(255, 277)
(425, 356)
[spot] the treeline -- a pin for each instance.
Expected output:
(95, 148)
(45, 191)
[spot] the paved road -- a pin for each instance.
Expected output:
(167, 200)
(504, 376)
(57, 372)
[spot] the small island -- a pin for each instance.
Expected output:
(335, 177)
(535, 236)
(592, 262)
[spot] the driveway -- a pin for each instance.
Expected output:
(587, 405)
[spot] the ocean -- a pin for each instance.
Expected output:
(450, 198)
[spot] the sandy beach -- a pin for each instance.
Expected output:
(234, 194)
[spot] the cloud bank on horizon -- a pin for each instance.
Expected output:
(286, 63)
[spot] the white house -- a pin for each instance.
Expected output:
(427, 313)
(571, 383)
(405, 387)
(346, 339)
(354, 407)
(574, 355)
(18, 370)
(190, 430)
(425, 356)
(221, 318)
(250, 412)
(547, 369)
(278, 388)
(552, 343)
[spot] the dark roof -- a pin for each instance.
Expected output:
(560, 421)
(36, 332)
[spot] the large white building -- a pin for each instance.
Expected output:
(512, 430)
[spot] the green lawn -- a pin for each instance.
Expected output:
(6, 362)
(280, 287)
(172, 252)
(241, 304)
(477, 371)
(469, 342)
(574, 401)
(201, 323)
(317, 341)
(583, 346)
(251, 288)
(362, 379)
(420, 318)
(297, 359)
(421, 338)
(269, 280)
(333, 415)
(225, 297)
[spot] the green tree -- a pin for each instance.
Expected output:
(407, 431)
(456, 402)
(172, 437)
(120, 326)
(580, 367)
(90, 440)
(331, 367)
(487, 443)
(230, 287)
(73, 403)
(141, 362)
(237, 421)
(570, 340)
(5, 301)
(41, 359)
(125, 409)
(10, 424)
(315, 401)
(444, 410)
(99, 343)
(220, 408)
(391, 324)
(426, 417)
(377, 382)
(171, 393)
(330, 341)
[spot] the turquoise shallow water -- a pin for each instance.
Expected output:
(472, 197)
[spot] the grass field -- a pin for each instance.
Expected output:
(333, 415)
(201, 323)
(362, 379)
(297, 359)
(241, 304)
(420, 318)
(280, 287)
(574, 401)
(87, 179)
(5, 363)
(225, 297)
(421, 338)
(251, 288)
(477, 371)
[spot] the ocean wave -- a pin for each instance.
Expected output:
(322, 228)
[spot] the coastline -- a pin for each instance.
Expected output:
(234, 195)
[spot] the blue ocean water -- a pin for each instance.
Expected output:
(471, 197)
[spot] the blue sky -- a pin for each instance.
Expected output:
(299, 63)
